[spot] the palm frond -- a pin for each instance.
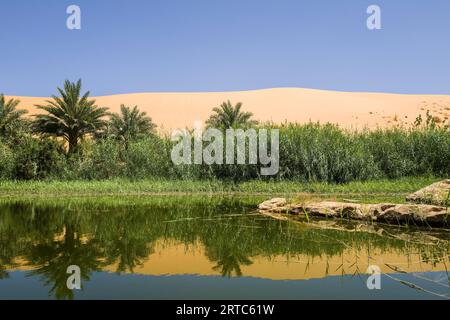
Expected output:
(228, 116)
(70, 115)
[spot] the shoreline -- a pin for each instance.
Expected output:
(123, 187)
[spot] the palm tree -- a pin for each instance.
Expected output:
(228, 116)
(71, 116)
(130, 125)
(10, 117)
(230, 261)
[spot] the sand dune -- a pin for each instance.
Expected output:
(348, 109)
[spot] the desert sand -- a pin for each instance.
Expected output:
(348, 109)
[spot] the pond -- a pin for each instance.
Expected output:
(200, 247)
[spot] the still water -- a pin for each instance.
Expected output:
(198, 247)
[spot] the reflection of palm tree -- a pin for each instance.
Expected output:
(10, 244)
(129, 252)
(52, 258)
(229, 261)
(126, 241)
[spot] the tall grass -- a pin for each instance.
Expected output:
(308, 153)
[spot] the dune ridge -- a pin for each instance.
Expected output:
(354, 110)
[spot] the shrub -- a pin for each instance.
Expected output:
(315, 152)
(99, 160)
(38, 159)
(149, 158)
(6, 162)
(401, 152)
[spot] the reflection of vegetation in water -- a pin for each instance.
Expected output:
(52, 239)
(228, 261)
(50, 236)
(51, 259)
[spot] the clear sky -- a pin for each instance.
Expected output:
(222, 45)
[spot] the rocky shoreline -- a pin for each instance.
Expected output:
(399, 214)
(436, 194)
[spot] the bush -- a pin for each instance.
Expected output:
(38, 159)
(6, 162)
(315, 152)
(431, 151)
(149, 158)
(401, 152)
(99, 160)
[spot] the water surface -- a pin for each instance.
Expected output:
(199, 247)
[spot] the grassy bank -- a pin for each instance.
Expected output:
(396, 187)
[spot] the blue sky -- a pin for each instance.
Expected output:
(222, 45)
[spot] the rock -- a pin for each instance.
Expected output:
(273, 204)
(436, 194)
(420, 214)
(335, 209)
(384, 212)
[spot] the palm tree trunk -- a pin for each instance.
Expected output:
(73, 144)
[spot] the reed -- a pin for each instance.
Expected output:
(310, 153)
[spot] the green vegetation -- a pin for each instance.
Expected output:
(308, 153)
(11, 121)
(130, 125)
(71, 116)
(125, 147)
(368, 191)
(228, 116)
